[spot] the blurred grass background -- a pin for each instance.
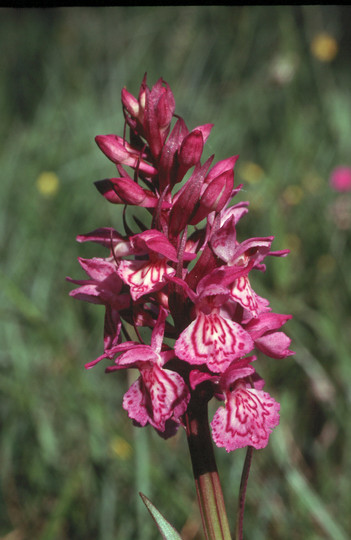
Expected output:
(71, 463)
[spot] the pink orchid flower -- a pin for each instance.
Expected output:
(181, 276)
(211, 338)
(158, 395)
(249, 414)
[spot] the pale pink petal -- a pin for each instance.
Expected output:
(252, 250)
(144, 277)
(214, 341)
(242, 292)
(263, 331)
(168, 395)
(134, 402)
(136, 356)
(237, 211)
(157, 396)
(247, 419)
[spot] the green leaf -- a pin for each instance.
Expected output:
(168, 532)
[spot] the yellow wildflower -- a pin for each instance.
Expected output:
(293, 194)
(47, 183)
(324, 47)
(121, 448)
(250, 172)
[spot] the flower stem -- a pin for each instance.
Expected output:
(242, 494)
(209, 491)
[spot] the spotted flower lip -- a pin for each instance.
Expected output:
(213, 340)
(158, 395)
(144, 277)
(210, 338)
(247, 419)
(249, 414)
(178, 279)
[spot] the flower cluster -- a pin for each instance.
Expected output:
(184, 277)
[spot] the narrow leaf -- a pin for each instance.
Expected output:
(166, 529)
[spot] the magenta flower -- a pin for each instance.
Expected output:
(182, 280)
(159, 396)
(249, 414)
(211, 338)
(340, 179)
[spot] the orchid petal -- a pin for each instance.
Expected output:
(136, 356)
(103, 235)
(156, 241)
(274, 345)
(220, 167)
(214, 341)
(242, 292)
(144, 277)
(96, 268)
(215, 196)
(119, 151)
(224, 242)
(88, 292)
(134, 403)
(266, 322)
(246, 420)
(156, 396)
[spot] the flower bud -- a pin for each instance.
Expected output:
(130, 103)
(215, 196)
(191, 149)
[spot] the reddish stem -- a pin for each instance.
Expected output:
(209, 491)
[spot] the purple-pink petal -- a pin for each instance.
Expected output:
(266, 322)
(96, 268)
(191, 149)
(220, 167)
(119, 151)
(156, 241)
(274, 345)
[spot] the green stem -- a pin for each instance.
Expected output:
(209, 491)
